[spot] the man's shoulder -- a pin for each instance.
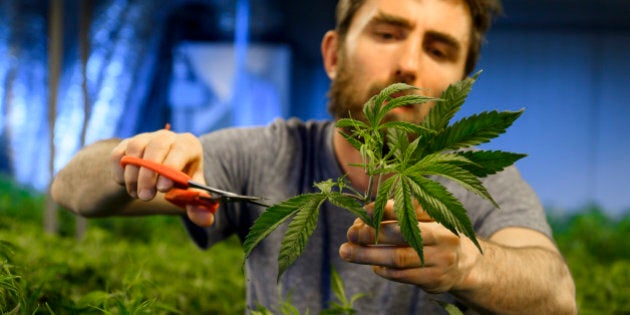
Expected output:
(299, 124)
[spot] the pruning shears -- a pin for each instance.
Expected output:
(181, 195)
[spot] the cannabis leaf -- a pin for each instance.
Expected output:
(402, 161)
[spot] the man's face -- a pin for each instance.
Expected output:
(419, 42)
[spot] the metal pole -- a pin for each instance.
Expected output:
(55, 52)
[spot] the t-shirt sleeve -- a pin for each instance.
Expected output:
(246, 161)
(228, 155)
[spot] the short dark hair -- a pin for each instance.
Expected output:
(481, 11)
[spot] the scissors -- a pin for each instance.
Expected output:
(181, 196)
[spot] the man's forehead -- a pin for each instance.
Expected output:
(448, 16)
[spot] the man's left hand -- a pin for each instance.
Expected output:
(448, 258)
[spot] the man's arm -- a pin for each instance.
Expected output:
(519, 272)
(86, 186)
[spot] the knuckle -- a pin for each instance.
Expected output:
(401, 257)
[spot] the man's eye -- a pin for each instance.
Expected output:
(438, 53)
(385, 35)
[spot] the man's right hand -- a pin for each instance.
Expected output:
(181, 151)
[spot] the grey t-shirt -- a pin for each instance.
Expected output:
(285, 159)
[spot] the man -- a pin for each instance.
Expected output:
(426, 43)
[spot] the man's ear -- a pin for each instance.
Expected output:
(329, 48)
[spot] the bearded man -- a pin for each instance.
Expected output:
(426, 43)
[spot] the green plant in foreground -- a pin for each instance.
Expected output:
(343, 306)
(399, 165)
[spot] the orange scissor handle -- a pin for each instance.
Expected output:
(180, 178)
(183, 197)
(177, 196)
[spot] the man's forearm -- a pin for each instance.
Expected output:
(85, 184)
(87, 187)
(520, 280)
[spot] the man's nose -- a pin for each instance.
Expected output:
(409, 62)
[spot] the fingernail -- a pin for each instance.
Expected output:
(344, 251)
(353, 236)
(146, 194)
(164, 184)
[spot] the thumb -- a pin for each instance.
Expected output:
(199, 215)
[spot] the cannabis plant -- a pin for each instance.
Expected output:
(402, 161)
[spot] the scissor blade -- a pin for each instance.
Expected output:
(225, 195)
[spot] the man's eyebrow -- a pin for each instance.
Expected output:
(382, 17)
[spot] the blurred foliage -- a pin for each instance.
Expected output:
(139, 265)
(594, 245)
(148, 265)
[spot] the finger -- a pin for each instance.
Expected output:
(389, 213)
(156, 149)
(424, 277)
(117, 170)
(200, 216)
(389, 256)
(363, 234)
(186, 155)
(132, 147)
(389, 234)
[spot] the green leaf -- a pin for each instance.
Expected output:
(407, 126)
(326, 186)
(452, 100)
(375, 111)
(407, 218)
(352, 140)
(397, 142)
(451, 309)
(384, 193)
(299, 231)
(442, 206)
(351, 123)
(473, 130)
(457, 174)
(405, 100)
(350, 204)
(273, 217)
(337, 287)
(486, 163)
(439, 157)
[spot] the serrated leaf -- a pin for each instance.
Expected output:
(273, 217)
(407, 126)
(452, 100)
(473, 130)
(384, 193)
(457, 174)
(488, 162)
(299, 231)
(404, 100)
(352, 140)
(375, 111)
(326, 186)
(451, 309)
(397, 142)
(439, 157)
(350, 123)
(350, 204)
(407, 218)
(442, 206)
(337, 286)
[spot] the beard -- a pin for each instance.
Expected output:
(347, 99)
